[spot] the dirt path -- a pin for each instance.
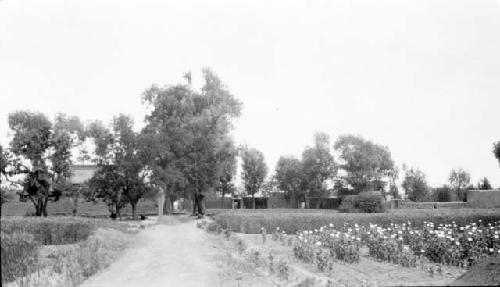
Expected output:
(171, 253)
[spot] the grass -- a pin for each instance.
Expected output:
(293, 220)
(24, 237)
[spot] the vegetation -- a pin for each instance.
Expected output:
(254, 171)
(414, 184)
(404, 244)
(293, 220)
(289, 179)
(23, 238)
(496, 151)
(459, 180)
(484, 184)
(121, 176)
(365, 202)
(186, 137)
(368, 166)
(318, 166)
(42, 152)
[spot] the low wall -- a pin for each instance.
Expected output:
(484, 198)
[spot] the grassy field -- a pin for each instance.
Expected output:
(293, 220)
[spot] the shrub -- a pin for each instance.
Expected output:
(364, 202)
(19, 255)
(370, 203)
(349, 204)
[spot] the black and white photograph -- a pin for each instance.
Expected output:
(241, 143)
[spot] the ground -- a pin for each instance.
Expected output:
(176, 253)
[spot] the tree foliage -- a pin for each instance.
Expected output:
(186, 136)
(496, 151)
(121, 176)
(42, 151)
(254, 171)
(368, 166)
(415, 184)
(459, 180)
(318, 165)
(484, 184)
(289, 178)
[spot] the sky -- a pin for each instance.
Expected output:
(420, 77)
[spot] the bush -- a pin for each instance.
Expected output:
(371, 203)
(364, 202)
(19, 255)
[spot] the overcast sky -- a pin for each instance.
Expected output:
(421, 77)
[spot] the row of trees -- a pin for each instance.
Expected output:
(417, 189)
(184, 150)
(362, 166)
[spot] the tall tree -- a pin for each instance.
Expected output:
(368, 166)
(254, 171)
(459, 180)
(496, 150)
(187, 131)
(289, 178)
(43, 153)
(415, 184)
(121, 176)
(318, 166)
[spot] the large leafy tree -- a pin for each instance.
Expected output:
(254, 171)
(318, 166)
(459, 180)
(121, 176)
(42, 153)
(368, 166)
(289, 178)
(187, 133)
(415, 184)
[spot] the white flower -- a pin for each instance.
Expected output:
(331, 225)
(318, 243)
(277, 228)
(470, 239)
(457, 243)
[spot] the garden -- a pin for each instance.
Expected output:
(403, 247)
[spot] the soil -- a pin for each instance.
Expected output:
(176, 253)
(485, 273)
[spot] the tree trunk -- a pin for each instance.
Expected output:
(134, 215)
(253, 200)
(44, 206)
(167, 209)
(74, 204)
(317, 203)
(161, 202)
(198, 204)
